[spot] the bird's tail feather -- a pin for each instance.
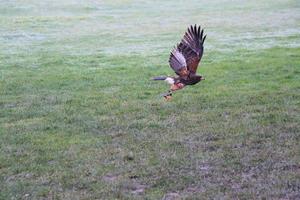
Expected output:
(159, 78)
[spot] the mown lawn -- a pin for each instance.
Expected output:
(80, 118)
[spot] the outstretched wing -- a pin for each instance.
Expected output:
(191, 47)
(178, 63)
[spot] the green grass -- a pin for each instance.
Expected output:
(80, 118)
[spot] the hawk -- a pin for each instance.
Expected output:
(184, 60)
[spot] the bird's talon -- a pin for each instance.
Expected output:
(168, 97)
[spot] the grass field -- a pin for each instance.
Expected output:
(80, 118)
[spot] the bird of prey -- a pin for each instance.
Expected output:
(184, 60)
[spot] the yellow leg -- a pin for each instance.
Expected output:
(168, 97)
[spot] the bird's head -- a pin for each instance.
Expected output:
(199, 78)
(196, 79)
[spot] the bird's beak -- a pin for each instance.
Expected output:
(202, 78)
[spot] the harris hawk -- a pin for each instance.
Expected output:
(184, 60)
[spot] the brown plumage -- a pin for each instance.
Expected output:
(184, 60)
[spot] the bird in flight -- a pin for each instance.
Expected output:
(184, 60)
